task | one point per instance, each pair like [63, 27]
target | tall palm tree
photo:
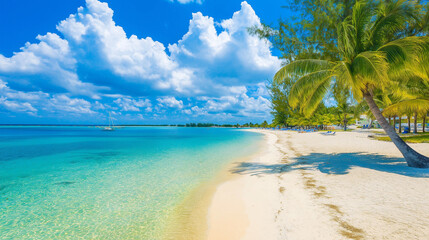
[373, 54]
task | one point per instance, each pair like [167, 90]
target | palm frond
[305, 86]
[392, 17]
[407, 54]
[313, 99]
[363, 11]
[420, 106]
[300, 68]
[345, 76]
[423, 58]
[346, 39]
[371, 68]
[413, 87]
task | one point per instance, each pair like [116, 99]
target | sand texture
[313, 186]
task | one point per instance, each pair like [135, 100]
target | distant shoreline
[89, 125]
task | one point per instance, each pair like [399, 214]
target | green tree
[372, 52]
[264, 124]
[311, 34]
[281, 110]
[344, 108]
[414, 102]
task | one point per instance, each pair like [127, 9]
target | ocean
[84, 183]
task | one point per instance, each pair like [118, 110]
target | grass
[409, 138]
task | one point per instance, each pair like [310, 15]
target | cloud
[101, 46]
[3, 84]
[231, 57]
[187, 1]
[170, 102]
[238, 104]
[32, 102]
[73, 105]
[17, 101]
[133, 105]
[20, 95]
[16, 106]
[46, 65]
[91, 66]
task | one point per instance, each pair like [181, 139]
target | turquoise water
[84, 183]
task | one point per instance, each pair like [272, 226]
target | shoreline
[229, 215]
[189, 220]
[313, 186]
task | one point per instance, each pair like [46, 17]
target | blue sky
[147, 62]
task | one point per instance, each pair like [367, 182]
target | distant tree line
[264, 124]
[207, 125]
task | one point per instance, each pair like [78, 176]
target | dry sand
[313, 186]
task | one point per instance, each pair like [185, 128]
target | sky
[146, 62]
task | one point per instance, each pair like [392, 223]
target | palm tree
[382, 100]
[344, 108]
[424, 121]
[419, 106]
[373, 54]
[415, 100]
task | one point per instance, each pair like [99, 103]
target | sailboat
[111, 127]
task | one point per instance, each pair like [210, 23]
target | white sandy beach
[312, 186]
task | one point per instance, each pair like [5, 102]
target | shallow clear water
[81, 182]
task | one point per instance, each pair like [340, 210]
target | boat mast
[110, 120]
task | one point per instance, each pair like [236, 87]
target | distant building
[363, 120]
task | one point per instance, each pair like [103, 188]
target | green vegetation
[206, 125]
[287, 116]
[409, 138]
[368, 55]
[313, 34]
[246, 125]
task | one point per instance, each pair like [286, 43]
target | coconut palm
[344, 107]
[373, 54]
[414, 102]
[419, 106]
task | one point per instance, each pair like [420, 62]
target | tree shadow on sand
[334, 164]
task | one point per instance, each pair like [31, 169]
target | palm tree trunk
[424, 123]
[394, 123]
[345, 122]
[409, 123]
[413, 158]
[400, 124]
[415, 122]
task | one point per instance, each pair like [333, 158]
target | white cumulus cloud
[230, 57]
[133, 105]
[46, 64]
[171, 102]
[101, 45]
[92, 66]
